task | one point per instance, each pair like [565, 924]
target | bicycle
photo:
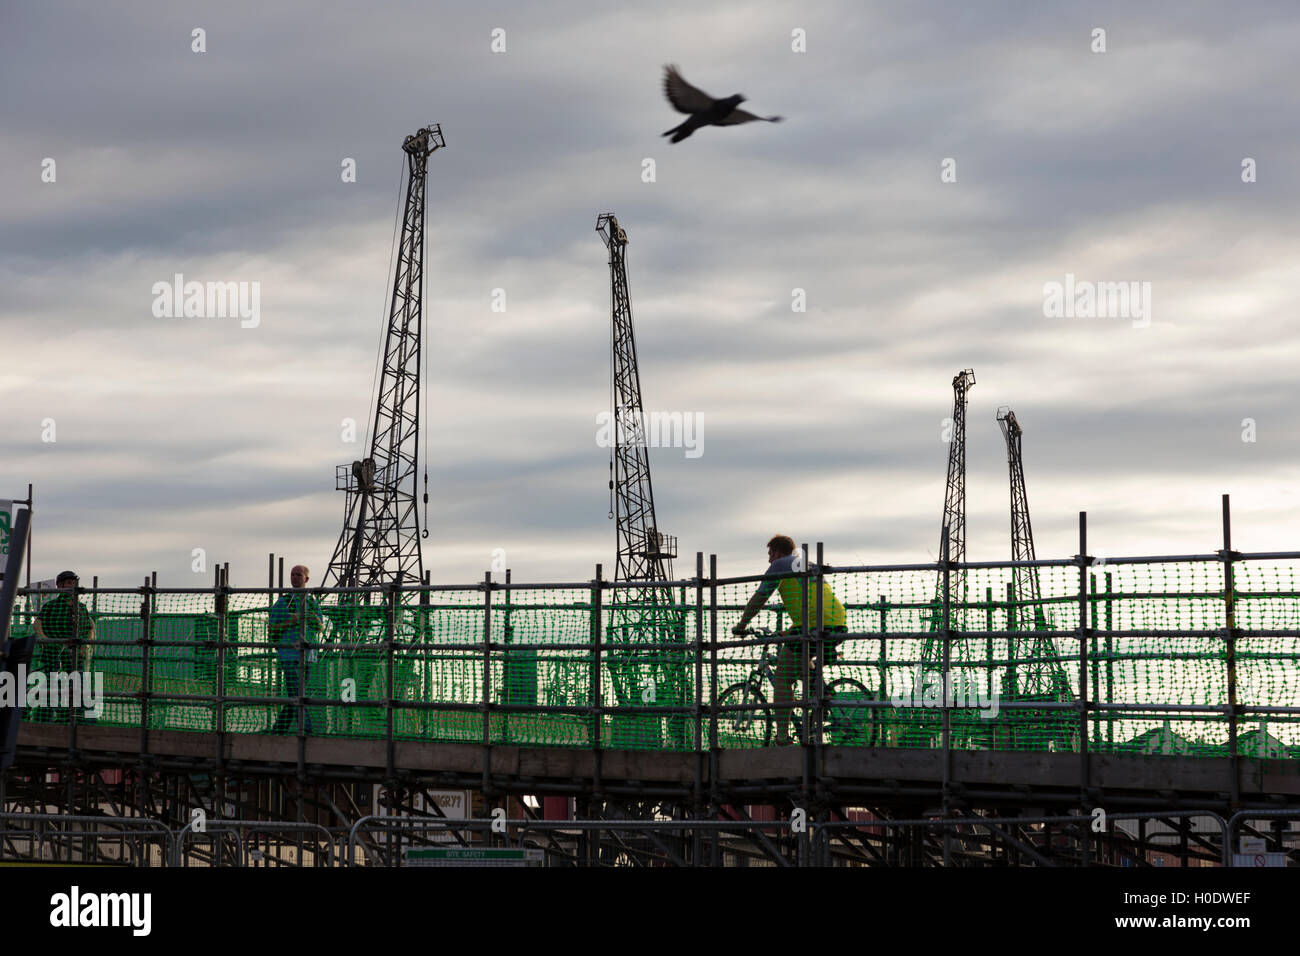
[758, 718]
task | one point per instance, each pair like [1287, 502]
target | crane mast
[1033, 667]
[952, 532]
[641, 616]
[380, 540]
[643, 553]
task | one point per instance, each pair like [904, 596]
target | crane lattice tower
[646, 614]
[380, 540]
[952, 533]
[1033, 667]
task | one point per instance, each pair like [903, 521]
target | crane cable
[383, 325]
[612, 396]
[422, 385]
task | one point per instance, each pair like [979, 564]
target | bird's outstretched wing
[684, 97]
[741, 116]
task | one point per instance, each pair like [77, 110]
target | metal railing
[601, 664]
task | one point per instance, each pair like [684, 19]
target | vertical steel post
[713, 665]
[1230, 621]
[945, 677]
[820, 847]
[300, 783]
[301, 644]
[597, 679]
[487, 684]
[390, 635]
[988, 648]
[697, 846]
[878, 717]
[805, 697]
[1084, 702]
[273, 681]
[31, 510]
[219, 605]
[818, 679]
[714, 805]
[75, 643]
[698, 737]
[884, 642]
[425, 657]
[805, 692]
[146, 677]
[945, 714]
[1013, 621]
[1110, 656]
[1094, 658]
[15, 653]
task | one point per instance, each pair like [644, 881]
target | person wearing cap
[64, 629]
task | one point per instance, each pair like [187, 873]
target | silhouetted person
[295, 617]
[783, 560]
[64, 630]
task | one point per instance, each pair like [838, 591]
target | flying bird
[704, 110]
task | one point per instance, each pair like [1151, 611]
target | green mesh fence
[620, 667]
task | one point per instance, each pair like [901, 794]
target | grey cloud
[226, 165]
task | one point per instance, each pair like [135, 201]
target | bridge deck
[847, 774]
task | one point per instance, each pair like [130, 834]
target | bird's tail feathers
[678, 132]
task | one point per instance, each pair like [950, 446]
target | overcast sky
[1126, 165]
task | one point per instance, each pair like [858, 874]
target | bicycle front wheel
[750, 727]
[851, 725]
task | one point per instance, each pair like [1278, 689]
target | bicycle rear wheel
[751, 727]
[849, 725]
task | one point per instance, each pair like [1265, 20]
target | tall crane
[919, 729]
[1033, 669]
[952, 533]
[643, 553]
[380, 540]
[646, 614]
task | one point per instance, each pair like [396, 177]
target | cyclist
[783, 559]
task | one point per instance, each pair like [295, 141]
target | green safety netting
[1012, 679]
